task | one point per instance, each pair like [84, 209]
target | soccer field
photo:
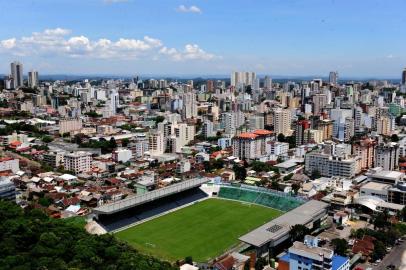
[203, 230]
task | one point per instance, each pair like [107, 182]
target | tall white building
[17, 74]
[180, 135]
[241, 78]
[208, 129]
[189, 109]
[282, 121]
[387, 156]
[33, 78]
[231, 121]
[256, 122]
[333, 78]
[69, 125]
[328, 165]
[156, 143]
[114, 100]
[78, 162]
[268, 83]
[251, 145]
[122, 155]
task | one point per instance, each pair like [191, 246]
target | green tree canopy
[31, 240]
[340, 246]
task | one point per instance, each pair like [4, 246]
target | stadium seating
[269, 199]
[150, 209]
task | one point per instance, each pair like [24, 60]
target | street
[397, 257]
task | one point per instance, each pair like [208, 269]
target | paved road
[397, 257]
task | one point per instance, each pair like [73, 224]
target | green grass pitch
[203, 230]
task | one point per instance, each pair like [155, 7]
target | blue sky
[277, 37]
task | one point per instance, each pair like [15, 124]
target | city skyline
[197, 38]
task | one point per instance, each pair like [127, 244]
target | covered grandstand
[123, 213]
[311, 214]
[262, 196]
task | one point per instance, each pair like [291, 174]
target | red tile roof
[247, 135]
[262, 132]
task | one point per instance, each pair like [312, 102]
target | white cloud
[190, 52]
[57, 32]
[8, 43]
[60, 42]
[191, 9]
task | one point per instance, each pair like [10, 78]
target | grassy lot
[203, 230]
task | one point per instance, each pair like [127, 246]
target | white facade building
[78, 162]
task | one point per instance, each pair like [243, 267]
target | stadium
[205, 220]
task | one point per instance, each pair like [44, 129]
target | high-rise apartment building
[365, 148]
[256, 122]
[329, 165]
[267, 83]
[33, 78]
[404, 77]
[241, 78]
[77, 162]
[17, 74]
[207, 129]
[231, 121]
[156, 143]
[319, 102]
[387, 156]
[114, 100]
[69, 125]
[282, 121]
[333, 78]
[189, 108]
[251, 145]
[210, 86]
[301, 127]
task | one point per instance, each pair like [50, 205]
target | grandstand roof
[280, 226]
[130, 202]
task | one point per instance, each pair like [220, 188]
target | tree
[93, 114]
[340, 246]
[159, 119]
[125, 142]
[380, 220]
[275, 185]
[189, 260]
[112, 143]
[403, 214]
[260, 263]
[32, 240]
[297, 232]
[281, 137]
[394, 138]
[47, 139]
[379, 250]
[240, 172]
[295, 187]
[288, 177]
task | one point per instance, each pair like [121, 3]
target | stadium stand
[149, 209]
[260, 196]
